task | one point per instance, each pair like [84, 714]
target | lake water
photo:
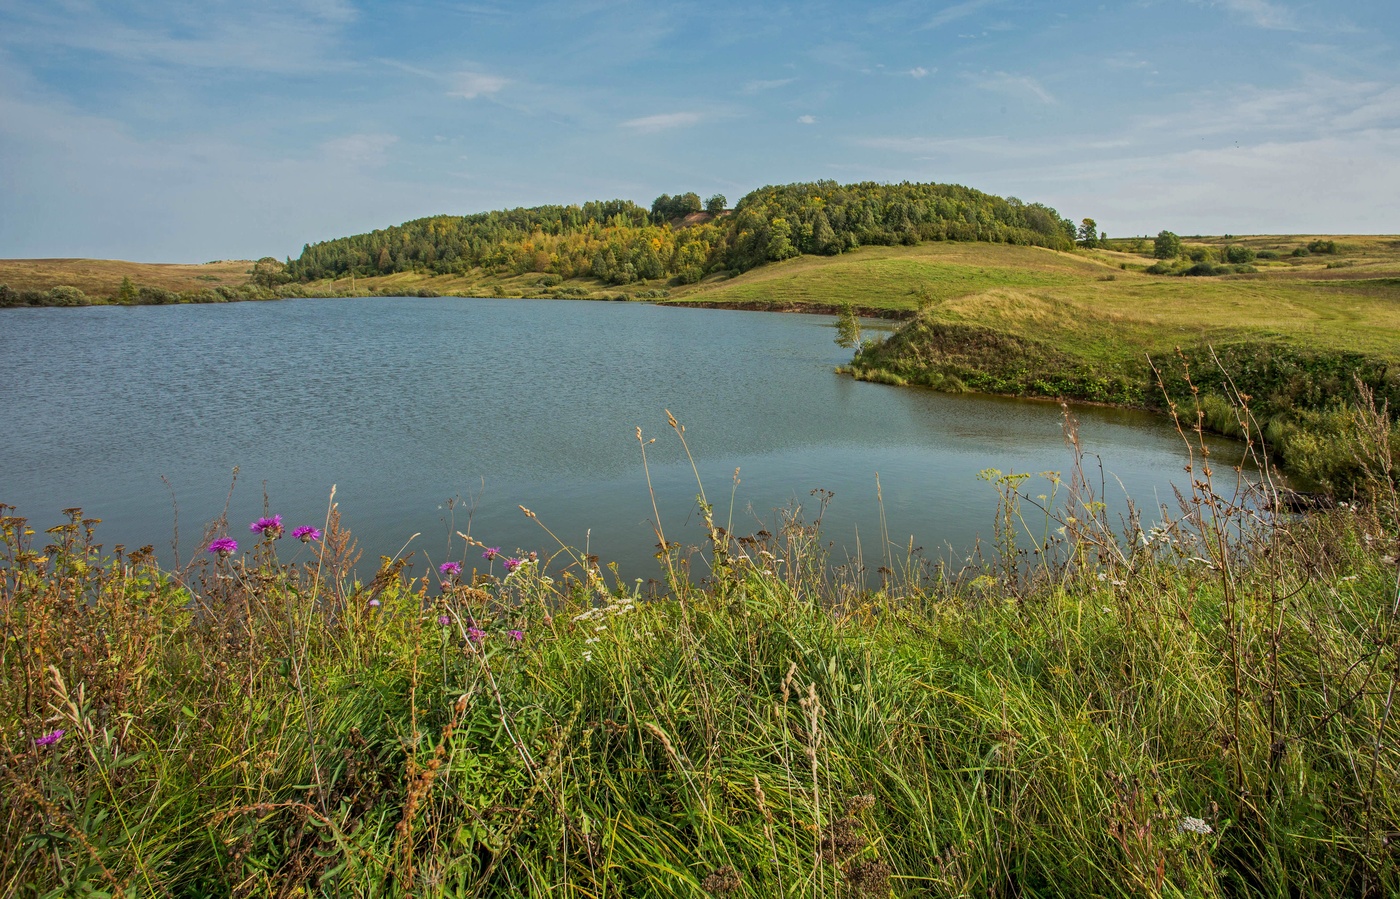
[439, 415]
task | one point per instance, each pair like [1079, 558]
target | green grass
[1047, 723]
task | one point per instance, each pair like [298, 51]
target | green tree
[1089, 233]
[126, 294]
[661, 208]
[269, 272]
[1166, 246]
[716, 204]
[824, 236]
[847, 327]
[780, 241]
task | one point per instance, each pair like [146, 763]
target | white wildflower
[1189, 824]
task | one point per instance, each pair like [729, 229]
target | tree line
[618, 241]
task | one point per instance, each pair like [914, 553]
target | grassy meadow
[1198, 708]
[103, 277]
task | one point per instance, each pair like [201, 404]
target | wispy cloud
[1126, 60]
[663, 121]
[259, 35]
[1014, 85]
[1262, 13]
[754, 87]
[956, 11]
[470, 85]
[917, 72]
[359, 150]
[807, 119]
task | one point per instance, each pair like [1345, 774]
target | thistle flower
[374, 603]
[517, 636]
[444, 619]
[306, 533]
[452, 568]
[476, 634]
[513, 563]
[491, 553]
[49, 739]
[268, 527]
[223, 547]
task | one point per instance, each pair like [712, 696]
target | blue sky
[185, 132]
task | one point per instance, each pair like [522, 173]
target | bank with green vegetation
[1203, 707]
[1002, 296]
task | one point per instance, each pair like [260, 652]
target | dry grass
[103, 277]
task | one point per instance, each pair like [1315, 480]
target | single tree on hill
[1089, 233]
[716, 204]
[1166, 246]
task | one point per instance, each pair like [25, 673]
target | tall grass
[1198, 708]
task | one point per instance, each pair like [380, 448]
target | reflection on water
[437, 415]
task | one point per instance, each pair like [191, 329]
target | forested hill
[619, 241]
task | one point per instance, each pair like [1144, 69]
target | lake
[432, 416]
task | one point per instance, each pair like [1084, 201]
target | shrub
[156, 296]
[63, 295]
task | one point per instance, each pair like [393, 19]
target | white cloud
[917, 72]
[258, 35]
[470, 85]
[754, 87]
[807, 119]
[957, 11]
[1126, 60]
[1211, 165]
[1015, 85]
[1262, 13]
[359, 150]
[663, 121]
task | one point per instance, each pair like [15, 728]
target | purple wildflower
[517, 636]
[223, 547]
[444, 619]
[452, 568]
[476, 634]
[374, 603]
[268, 527]
[491, 553]
[306, 533]
[513, 563]
[49, 739]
